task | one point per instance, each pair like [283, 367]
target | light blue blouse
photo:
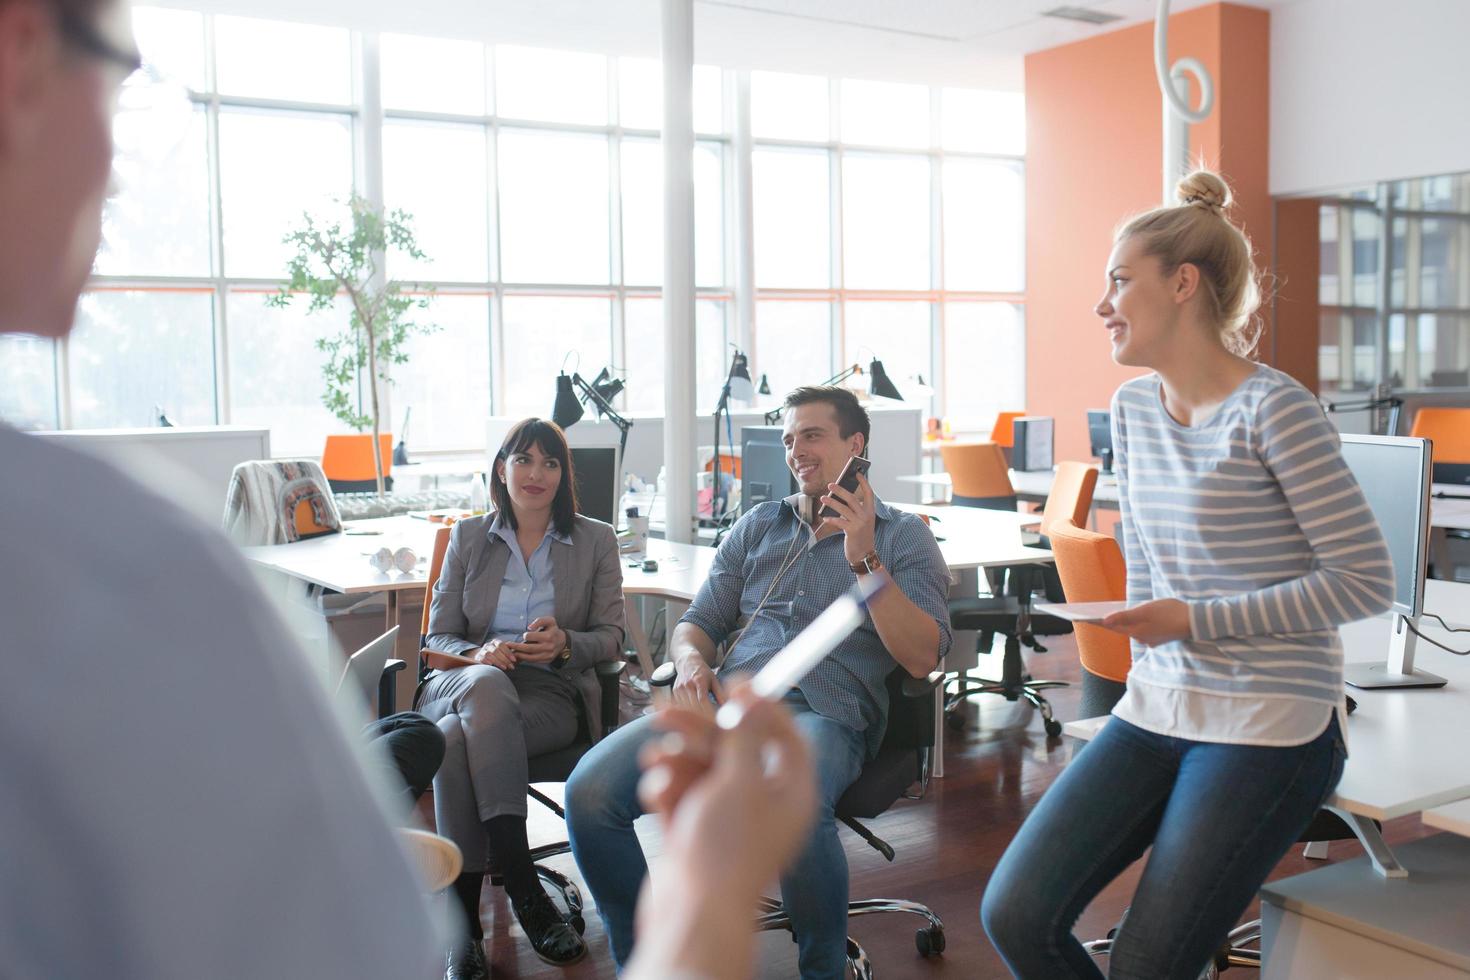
[527, 591]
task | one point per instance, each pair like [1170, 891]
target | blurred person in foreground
[736, 806]
[176, 797]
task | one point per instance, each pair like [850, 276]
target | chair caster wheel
[1052, 726]
[578, 923]
[955, 721]
[930, 942]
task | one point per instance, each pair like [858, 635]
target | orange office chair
[1009, 614]
[1449, 430]
[978, 475]
[1092, 569]
[436, 565]
[278, 501]
[729, 463]
[1003, 432]
[1070, 500]
[549, 767]
[348, 462]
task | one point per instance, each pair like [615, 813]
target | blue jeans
[602, 803]
[1219, 818]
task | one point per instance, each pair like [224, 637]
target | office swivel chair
[279, 501]
[903, 760]
[978, 476]
[348, 462]
[549, 767]
[1091, 568]
[1449, 430]
[1009, 613]
[1003, 432]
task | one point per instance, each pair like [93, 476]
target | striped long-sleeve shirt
[1255, 522]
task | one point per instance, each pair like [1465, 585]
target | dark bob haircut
[851, 416]
[548, 437]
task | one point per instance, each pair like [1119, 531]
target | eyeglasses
[87, 37]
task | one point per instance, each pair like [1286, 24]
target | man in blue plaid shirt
[779, 568]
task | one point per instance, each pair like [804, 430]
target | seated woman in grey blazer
[533, 592]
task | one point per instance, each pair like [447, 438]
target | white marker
[787, 668]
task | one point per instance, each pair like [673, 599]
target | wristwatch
[867, 564]
[563, 658]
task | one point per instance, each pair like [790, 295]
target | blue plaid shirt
[849, 686]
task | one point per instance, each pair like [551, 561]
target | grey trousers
[492, 721]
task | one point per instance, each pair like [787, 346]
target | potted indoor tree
[333, 259]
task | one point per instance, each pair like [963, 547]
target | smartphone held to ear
[856, 466]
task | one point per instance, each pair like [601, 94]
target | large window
[534, 180]
[889, 225]
[1411, 329]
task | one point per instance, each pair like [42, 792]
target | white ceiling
[961, 42]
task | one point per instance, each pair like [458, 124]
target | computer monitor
[1100, 434]
[1394, 472]
[764, 474]
[596, 469]
[1452, 473]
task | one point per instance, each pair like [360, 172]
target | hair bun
[1204, 189]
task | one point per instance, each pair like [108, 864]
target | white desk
[1344, 921]
[1406, 755]
[1406, 748]
[1454, 817]
[1450, 511]
[1030, 485]
[340, 562]
[682, 569]
[972, 538]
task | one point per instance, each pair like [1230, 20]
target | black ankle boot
[466, 961]
[553, 939]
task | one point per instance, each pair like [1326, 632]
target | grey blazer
[588, 581]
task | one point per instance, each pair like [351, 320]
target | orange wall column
[1293, 345]
[1093, 158]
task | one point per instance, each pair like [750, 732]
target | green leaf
[338, 268]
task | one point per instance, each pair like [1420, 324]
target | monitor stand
[1399, 670]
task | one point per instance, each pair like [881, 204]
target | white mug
[638, 527]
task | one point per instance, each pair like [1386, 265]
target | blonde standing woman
[1248, 544]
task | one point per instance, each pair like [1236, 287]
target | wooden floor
[946, 846]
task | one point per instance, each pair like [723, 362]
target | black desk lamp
[400, 451]
[879, 386]
[567, 410]
[1381, 399]
[738, 384]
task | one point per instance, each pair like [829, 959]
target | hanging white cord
[1167, 76]
[1177, 114]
